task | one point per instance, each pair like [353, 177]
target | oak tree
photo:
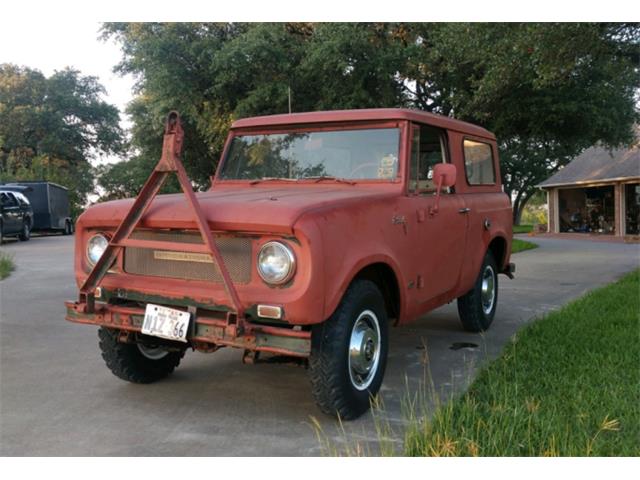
[50, 128]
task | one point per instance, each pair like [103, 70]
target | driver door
[442, 235]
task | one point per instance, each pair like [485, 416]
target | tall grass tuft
[6, 265]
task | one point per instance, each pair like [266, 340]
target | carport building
[598, 192]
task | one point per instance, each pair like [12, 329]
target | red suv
[319, 232]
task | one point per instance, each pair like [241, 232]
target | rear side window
[478, 163]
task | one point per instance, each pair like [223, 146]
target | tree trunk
[517, 216]
[521, 201]
[517, 208]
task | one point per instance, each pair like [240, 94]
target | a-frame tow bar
[170, 162]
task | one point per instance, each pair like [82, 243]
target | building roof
[365, 114]
[596, 165]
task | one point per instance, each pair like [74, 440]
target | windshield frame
[401, 125]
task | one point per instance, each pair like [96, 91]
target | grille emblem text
[182, 256]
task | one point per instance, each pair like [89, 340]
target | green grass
[568, 384]
[522, 228]
[518, 245]
[6, 265]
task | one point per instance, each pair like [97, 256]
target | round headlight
[276, 263]
[96, 247]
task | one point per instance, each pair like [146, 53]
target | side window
[478, 163]
[8, 200]
[22, 200]
[428, 149]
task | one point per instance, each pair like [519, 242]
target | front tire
[349, 352]
[136, 363]
[25, 233]
[477, 307]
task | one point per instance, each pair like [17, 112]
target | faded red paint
[335, 230]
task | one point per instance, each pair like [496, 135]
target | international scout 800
[320, 231]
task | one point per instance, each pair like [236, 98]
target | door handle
[464, 210]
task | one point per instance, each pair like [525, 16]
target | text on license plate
[166, 322]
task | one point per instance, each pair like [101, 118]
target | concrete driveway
[58, 398]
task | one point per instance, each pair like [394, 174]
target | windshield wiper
[320, 178]
[270, 179]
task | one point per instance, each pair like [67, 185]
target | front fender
[355, 236]
[336, 291]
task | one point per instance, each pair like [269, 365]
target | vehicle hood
[248, 208]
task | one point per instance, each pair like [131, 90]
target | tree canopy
[51, 127]
[547, 91]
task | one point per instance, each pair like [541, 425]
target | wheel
[477, 307]
[1, 233]
[134, 362]
[349, 352]
[25, 233]
[67, 229]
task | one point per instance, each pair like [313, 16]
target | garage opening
[632, 208]
[587, 210]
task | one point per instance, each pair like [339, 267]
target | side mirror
[444, 175]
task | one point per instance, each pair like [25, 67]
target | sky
[69, 43]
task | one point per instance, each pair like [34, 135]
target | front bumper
[205, 329]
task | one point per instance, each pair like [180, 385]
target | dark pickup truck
[50, 203]
[16, 215]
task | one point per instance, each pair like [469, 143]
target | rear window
[478, 163]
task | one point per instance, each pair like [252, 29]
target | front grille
[235, 252]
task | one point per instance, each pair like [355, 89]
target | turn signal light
[269, 311]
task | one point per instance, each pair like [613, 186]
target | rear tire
[477, 307]
[349, 352]
[135, 364]
[25, 233]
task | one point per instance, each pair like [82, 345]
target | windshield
[343, 154]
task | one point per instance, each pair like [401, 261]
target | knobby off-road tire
[477, 307]
[126, 361]
[353, 338]
[25, 233]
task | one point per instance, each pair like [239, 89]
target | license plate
[166, 323]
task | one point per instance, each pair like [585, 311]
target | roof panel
[372, 114]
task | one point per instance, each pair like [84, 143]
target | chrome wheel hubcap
[364, 350]
[152, 353]
[488, 289]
